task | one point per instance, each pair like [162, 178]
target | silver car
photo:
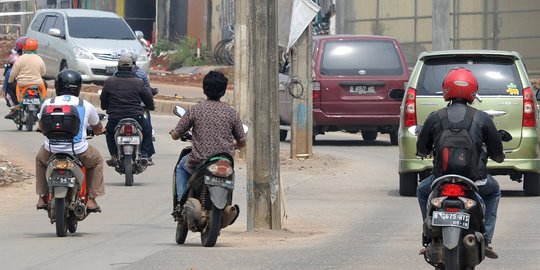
[89, 41]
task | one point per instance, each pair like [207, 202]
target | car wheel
[531, 184]
[393, 137]
[282, 135]
[369, 135]
[407, 184]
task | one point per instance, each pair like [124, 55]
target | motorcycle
[27, 115]
[206, 206]
[454, 229]
[66, 179]
[128, 137]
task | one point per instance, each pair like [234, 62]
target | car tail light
[127, 130]
[452, 209]
[410, 107]
[222, 168]
[316, 91]
[453, 190]
[528, 108]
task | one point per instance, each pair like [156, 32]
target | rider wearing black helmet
[68, 86]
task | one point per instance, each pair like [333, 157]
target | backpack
[456, 151]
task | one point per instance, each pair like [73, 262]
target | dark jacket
[122, 95]
[483, 131]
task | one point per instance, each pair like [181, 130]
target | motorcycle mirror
[415, 130]
[102, 116]
[505, 135]
[99, 92]
[245, 128]
[179, 111]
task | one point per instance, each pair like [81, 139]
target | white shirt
[90, 118]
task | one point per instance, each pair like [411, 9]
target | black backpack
[456, 152]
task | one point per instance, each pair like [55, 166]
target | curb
[162, 106]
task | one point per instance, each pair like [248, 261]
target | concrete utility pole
[302, 115]
[340, 16]
[441, 25]
[263, 197]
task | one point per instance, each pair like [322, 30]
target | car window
[360, 57]
[495, 75]
[48, 24]
[37, 22]
[102, 28]
[59, 24]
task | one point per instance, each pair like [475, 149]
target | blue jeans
[490, 192]
[183, 173]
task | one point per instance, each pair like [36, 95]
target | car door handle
[495, 113]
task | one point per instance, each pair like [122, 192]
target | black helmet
[68, 82]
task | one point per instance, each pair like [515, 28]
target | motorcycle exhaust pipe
[79, 211]
[143, 162]
[472, 256]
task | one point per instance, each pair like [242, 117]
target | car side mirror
[505, 135]
[538, 95]
[397, 94]
[139, 34]
[55, 32]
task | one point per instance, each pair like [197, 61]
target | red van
[358, 86]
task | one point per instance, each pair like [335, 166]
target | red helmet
[30, 44]
[460, 83]
[19, 43]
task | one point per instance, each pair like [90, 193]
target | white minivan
[88, 41]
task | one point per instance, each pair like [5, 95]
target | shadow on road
[513, 193]
[348, 143]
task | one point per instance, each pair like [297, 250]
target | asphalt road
[343, 212]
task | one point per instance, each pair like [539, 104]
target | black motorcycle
[128, 137]
[31, 104]
[206, 206]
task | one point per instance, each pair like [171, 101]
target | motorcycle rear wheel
[128, 170]
[61, 217]
[72, 224]
[30, 121]
[181, 232]
[213, 225]
[453, 259]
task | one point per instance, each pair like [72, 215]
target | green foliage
[186, 54]
[163, 45]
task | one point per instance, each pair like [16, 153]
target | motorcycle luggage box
[60, 121]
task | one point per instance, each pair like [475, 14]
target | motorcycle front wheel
[181, 232]
[128, 170]
[61, 217]
[30, 121]
[213, 225]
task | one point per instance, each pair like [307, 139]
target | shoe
[150, 162]
[41, 204]
[422, 251]
[490, 253]
[113, 161]
[92, 206]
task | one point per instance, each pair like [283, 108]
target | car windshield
[495, 75]
[360, 57]
[99, 27]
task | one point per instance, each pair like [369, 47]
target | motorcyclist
[121, 97]
[460, 87]
[68, 86]
[10, 88]
[28, 70]
[215, 124]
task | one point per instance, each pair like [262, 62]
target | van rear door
[356, 75]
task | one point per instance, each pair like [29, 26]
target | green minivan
[505, 93]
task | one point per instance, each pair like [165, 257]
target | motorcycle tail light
[222, 168]
[453, 190]
[452, 209]
[31, 92]
[62, 164]
[128, 130]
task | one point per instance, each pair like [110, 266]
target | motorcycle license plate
[451, 219]
[220, 182]
[31, 101]
[60, 181]
[128, 140]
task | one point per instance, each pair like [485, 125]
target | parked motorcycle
[66, 179]
[206, 206]
[27, 115]
[128, 136]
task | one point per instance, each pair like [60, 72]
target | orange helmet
[460, 83]
[30, 44]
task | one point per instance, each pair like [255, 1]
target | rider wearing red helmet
[29, 70]
[459, 88]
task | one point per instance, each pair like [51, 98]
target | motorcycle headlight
[82, 53]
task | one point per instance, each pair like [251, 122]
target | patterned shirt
[215, 127]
